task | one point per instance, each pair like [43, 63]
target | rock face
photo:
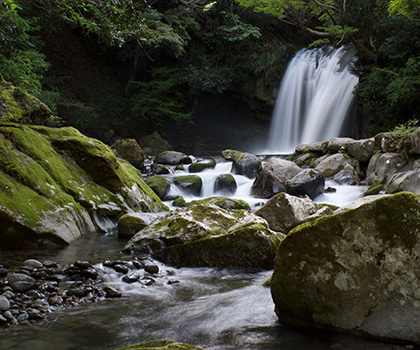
[273, 178]
[356, 271]
[206, 235]
[243, 163]
[56, 185]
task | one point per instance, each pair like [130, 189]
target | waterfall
[314, 99]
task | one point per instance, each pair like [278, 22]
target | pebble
[36, 289]
[4, 303]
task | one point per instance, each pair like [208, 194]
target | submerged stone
[161, 345]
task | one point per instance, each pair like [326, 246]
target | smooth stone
[33, 263]
[4, 303]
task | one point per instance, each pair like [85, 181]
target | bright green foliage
[160, 100]
[20, 62]
[408, 8]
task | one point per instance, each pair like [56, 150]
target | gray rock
[284, 212]
[3, 319]
[33, 263]
[191, 184]
[20, 282]
[333, 164]
[35, 314]
[4, 303]
[206, 235]
[111, 292]
[108, 209]
[338, 143]
[308, 182]
[382, 167]
[362, 150]
[22, 317]
[273, 178]
[130, 224]
[173, 158]
[243, 163]
[130, 151]
[356, 271]
[317, 147]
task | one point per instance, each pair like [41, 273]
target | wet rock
[131, 277]
[3, 272]
[22, 317]
[151, 268]
[191, 184]
[20, 282]
[201, 165]
[33, 263]
[90, 272]
[55, 300]
[82, 264]
[159, 185]
[308, 182]
[362, 150]
[162, 345]
[121, 268]
[2, 319]
[338, 143]
[111, 292]
[35, 314]
[4, 303]
[225, 184]
[243, 163]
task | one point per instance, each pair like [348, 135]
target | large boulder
[191, 184]
[274, 176]
[338, 167]
[382, 167]
[284, 212]
[56, 184]
[362, 150]
[338, 143]
[243, 163]
[320, 147]
[356, 271]
[130, 150]
[221, 202]
[202, 165]
[206, 235]
[308, 182]
[225, 183]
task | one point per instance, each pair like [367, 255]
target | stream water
[207, 307]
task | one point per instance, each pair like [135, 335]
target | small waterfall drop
[314, 99]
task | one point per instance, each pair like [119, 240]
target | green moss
[202, 165]
[161, 345]
[159, 185]
[221, 202]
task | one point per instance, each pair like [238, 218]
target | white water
[314, 99]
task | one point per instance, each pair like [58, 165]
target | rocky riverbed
[36, 289]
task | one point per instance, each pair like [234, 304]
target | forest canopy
[103, 65]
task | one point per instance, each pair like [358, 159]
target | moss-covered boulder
[159, 185]
[357, 271]
[201, 165]
[20, 107]
[221, 202]
[191, 184]
[206, 235]
[129, 150]
[243, 163]
[308, 182]
[154, 144]
[161, 345]
[53, 182]
[225, 183]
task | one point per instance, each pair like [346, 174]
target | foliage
[20, 62]
[408, 8]
[161, 100]
[402, 136]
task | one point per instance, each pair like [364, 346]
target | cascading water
[314, 99]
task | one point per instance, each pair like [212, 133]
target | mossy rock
[159, 185]
[221, 202]
[206, 235]
[201, 165]
[225, 183]
[154, 144]
[130, 150]
[45, 194]
[191, 184]
[18, 106]
[161, 345]
[243, 163]
[356, 271]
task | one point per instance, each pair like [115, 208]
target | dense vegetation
[198, 71]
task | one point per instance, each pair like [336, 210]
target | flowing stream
[315, 97]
